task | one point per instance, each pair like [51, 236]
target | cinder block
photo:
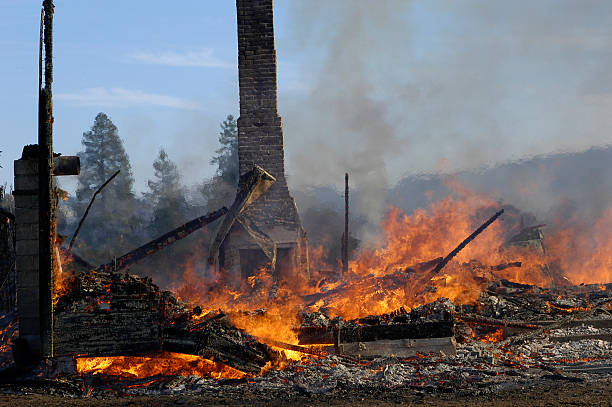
[26, 182]
[26, 201]
[26, 167]
[27, 262]
[26, 231]
[33, 341]
[27, 247]
[27, 279]
[29, 307]
[26, 215]
[29, 326]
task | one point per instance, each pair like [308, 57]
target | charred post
[345, 237]
[76, 232]
[45, 187]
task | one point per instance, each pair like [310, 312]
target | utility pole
[345, 237]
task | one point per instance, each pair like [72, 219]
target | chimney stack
[260, 142]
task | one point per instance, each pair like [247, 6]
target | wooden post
[46, 208]
[345, 237]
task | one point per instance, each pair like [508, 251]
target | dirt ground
[557, 394]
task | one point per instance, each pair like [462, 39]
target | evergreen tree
[227, 156]
[167, 196]
[103, 156]
[221, 189]
[110, 225]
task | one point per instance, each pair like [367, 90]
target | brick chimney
[260, 142]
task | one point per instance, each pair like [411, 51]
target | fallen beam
[402, 348]
[161, 242]
[220, 341]
[93, 197]
[366, 333]
[465, 242]
[570, 338]
[471, 319]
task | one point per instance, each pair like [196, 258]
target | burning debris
[436, 308]
[111, 314]
[488, 354]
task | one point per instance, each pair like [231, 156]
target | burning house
[448, 304]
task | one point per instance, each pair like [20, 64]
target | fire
[496, 336]
[165, 363]
[62, 274]
[398, 273]
[568, 310]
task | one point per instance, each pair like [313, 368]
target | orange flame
[496, 336]
[165, 363]
[386, 278]
[62, 275]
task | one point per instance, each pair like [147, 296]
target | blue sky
[381, 89]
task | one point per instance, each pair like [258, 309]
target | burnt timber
[111, 314]
[365, 333]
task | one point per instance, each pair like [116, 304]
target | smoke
[346, 126]
[396, 88]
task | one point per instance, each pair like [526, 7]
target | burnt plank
[368, 333]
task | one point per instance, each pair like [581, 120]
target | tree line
[119, 220]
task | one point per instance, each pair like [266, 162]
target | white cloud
[203, 58]
[119, 97]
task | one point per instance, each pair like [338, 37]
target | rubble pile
[564, 334]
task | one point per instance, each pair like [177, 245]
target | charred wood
[369, 333]
[477, 320]
[295, 348]
[66, 165]
[504, 266]
[388, 282]
[108, 315]
[222, 342]
[161, 242]
[252, 185]
[100, 188]
[465, 242]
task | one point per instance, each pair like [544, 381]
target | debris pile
[563, 334]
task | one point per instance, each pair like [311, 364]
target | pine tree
[167, 196]
[221, 189]
[110, 225]
[227, 156]
[103, 156]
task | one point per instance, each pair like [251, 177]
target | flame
[63, 278]
[165, 363]
[398, 272]
[8, 332]
[568, 310]
[496, 336]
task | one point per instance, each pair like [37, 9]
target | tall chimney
[260, 134]
[260, 142]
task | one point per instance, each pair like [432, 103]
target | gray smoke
[405, 87]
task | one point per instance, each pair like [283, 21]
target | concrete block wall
[27, 248]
